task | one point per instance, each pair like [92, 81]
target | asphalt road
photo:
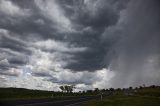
[49, 102]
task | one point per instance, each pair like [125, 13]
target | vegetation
[142, 96]
[67, 88]
[139, 96]
[21, 93]
[124, 100]
[15, 93]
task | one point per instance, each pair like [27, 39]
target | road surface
[49, 102]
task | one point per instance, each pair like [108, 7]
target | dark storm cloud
[137, 52]
[4, 67]
[72, 82]
[86, 78]
[41, 74]
[82, 35]
[13, 51]
[13, 44]
[91, 21]
[8, 69]
[92, 59]
[95, 14]
[13, 62]
[31, 24]
[17, 60]
[8, 73]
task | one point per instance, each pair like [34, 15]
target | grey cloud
[17, 60]
[86, 17]
[122, 35]
[135, 53]
[3, 81]
[94, 16]
[8, 73]
[8, 70]
[86, 82]
[86, 78]
[41, 74]
[94, 57]
[29, 26]
[13, 44]
[95, 13]
[91, 23]
[4, 65]
[14, 52]
[13, 62]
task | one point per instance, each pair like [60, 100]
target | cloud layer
[89, 43]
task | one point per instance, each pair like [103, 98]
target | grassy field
[144, 97]
[147, 96]
[124, 101]
[21, 93]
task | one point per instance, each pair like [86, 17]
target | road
[50, 102]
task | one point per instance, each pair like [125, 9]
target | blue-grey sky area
[89, 43]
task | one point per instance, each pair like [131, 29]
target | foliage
[67, 88]
[21, 93]
[17, 93]
[124, 100]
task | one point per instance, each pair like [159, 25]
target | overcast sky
[88, 43]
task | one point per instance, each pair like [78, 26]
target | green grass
[121, 100]
[149, 92]
[21, 93]
[16, 93]
[143, 97]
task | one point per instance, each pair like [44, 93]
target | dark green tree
[69, 89]
[96, 90]
[62, 88]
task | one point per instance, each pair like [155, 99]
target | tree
[62, 88]
[96, 90]
[66, 88]
[69, 89]
[136, 88]
[153, 86]
[140, 87]
[118, 89]
[89, 91]
[130, 88]
[103, 90]
[111, 89]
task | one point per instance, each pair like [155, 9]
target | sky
[87, 43]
